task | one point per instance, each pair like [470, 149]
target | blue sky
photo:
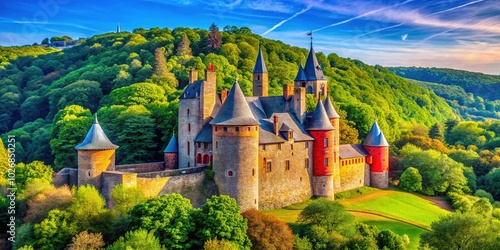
[441, 33]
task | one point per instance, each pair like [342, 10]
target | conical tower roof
[301, 76]
[235, 110]
[330, 110]
[319, 120]
[96, 139]
[375, 137]
[172, 146]
[312, 69]
[260, 65]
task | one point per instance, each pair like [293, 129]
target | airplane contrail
[363, 15]
[286, 20]
[458, 7]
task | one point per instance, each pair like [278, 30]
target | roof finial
[311, 35]
[95, 119]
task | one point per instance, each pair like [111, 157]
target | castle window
[248, 129]
[326, 162]
[225, 129]
[334, 156]
[199, 144]
[237, 129]
[188, 148]
[198, 159]
[326, 142]
[189, 164]
[291, 146]
[253, 172]
[268, 166]
[279, 146]
[290, 135]
[188, 111]
[300, 178]
[258, 78]
[206, 159]
[307, 144]
[264, 147]
[230, 173]
[205, 145]
[189, 127]
[215, 128]
[287, 165]
[307, 162]
[216, 144]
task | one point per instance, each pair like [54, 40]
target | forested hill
[473, 95]
[476, 83]
[133, 80]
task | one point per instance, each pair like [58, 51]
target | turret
[171, 154]
[334, 118]
[235, 150]
[96, 154]
[260, 76]
[323, 133]
[311, 76]
[376, 145]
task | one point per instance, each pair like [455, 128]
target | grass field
[401, 212]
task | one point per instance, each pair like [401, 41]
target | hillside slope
[132, 79]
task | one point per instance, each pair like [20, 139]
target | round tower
[334, 118]
[323, 133]
[96, 154]
[376, 145]
[171, 154]
[235, 139]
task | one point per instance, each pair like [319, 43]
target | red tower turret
[376, 145]
[323, 152]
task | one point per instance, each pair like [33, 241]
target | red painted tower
[323, 133]
[376, 145]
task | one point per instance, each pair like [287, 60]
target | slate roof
[319, 119]
[205, 134]
[375, 137]
[235, 110]
[312, 69]
[95, 139]
[287, 122]
[192, 90]
[260, 65]
[301, 75]
[348, 151]
[330, 110]
[172, 146]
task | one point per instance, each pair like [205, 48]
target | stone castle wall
[353, 175]
[281, 186]
[141, 167]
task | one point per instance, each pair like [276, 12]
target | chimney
[210, 73]
[223, 95]
[193, 75]
[288, 91]
[276, 124]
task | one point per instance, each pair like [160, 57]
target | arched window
[206, 159]
[303, 84]
[309, 90]
[230, 173]
[198, 159]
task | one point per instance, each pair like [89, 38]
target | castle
[266, 151]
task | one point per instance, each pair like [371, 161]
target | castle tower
[323, 133]
[376, 145]
[196, 105]
[312, 78]
[96, 154]
[235, 150]
[260, 76]
[334, 118]
[171, 154]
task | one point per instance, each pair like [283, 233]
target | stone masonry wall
[141, 167]
[352, 175]
[281, 187]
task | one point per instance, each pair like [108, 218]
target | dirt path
[438, 201]
[369, 196]
[378, 216]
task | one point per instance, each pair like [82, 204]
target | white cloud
[403, 37]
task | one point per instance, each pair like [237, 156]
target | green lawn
[401, 212]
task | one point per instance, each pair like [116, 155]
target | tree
[216, 244]
[492, 183]
[266, 232]
[169, 217]
[40, 205]
[483, 194]
[138, 239]
[86, 209]
[160, 66]
[359, 242]
[126, 198]
[387, 239]
[461, 231]
[302, 243]
[183, 48]
[45, 41]
[411, 180]
[4, 163]
[214, 38]
[329, 215]
[24, 236]
[31, 171]
[437, 131]
[54, 232]
[87, 241]
[220, 218]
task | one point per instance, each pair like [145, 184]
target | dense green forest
[472, 95]
[133, 79]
